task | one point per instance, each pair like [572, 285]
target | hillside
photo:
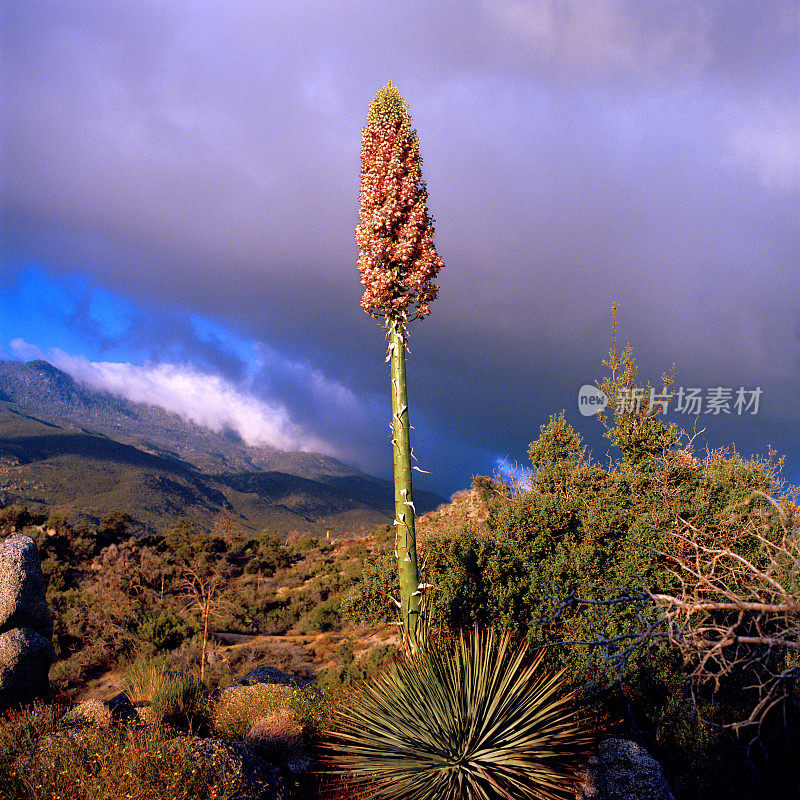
[66, 448]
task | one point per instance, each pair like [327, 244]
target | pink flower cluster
[398, 259]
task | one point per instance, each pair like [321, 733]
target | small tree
[205, 588]
[397, 264]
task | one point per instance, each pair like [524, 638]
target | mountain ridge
[68, 448]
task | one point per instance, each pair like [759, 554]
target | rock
[25, 658]
[26, 628]
[271, 675]
[94, 712]
[623, 770]
[121, 708]
[22, 598]
[147, 716]
[257, 779]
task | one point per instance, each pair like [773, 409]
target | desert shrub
[15, 516]
[181, 702]
[359, 551]
[333, 680]
[384, 536]
[278, 620]
[144, 679]
[570, 561]
[240, 706]
[41, 758]
[323, 617]
[307, 545]
[165, 629]
[173, 697]
[268, 554]
[368, 601]
[56, 574]
[284, 655]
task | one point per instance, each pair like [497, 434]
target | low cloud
[199, 397]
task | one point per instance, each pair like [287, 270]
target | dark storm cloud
[207, 155]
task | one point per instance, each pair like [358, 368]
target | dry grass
[239, 707]
[174, 698]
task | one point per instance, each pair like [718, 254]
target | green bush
[165, 629]
[323, 617]
[352, 670]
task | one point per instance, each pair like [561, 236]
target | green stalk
[405, 538]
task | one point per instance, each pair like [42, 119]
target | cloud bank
[203, 398]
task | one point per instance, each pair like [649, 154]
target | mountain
[67, 448]
[45, 391]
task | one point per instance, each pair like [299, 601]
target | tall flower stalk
[397, 263]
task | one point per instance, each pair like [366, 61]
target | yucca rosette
[476, 718]
[398, 260]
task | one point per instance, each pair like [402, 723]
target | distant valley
[70, 449]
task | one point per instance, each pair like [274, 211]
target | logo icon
[591, 400]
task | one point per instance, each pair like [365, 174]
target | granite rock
[623, 770]
[22, 595]
[25, 658]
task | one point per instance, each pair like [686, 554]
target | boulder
[623, 770]
[121, 708]
[257, 778]
[92, 712]
[22, 597]
[25, 658]
[271, 675]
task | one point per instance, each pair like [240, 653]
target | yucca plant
[397, 264]
[473, 719]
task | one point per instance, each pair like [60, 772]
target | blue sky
[179, 193]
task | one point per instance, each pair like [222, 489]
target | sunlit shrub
[240, 706]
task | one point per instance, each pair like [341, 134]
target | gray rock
[91, 712]
[22, 597]
[257, 779]
[271, 675]
[25, 658]
[121, 708]
[623, 770]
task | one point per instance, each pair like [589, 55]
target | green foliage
[471, 719]
[324, 616]
[354, 671]
[182, 542]
[175, 698]
[308, 544]
[267, 555]
[165, 629]
[14, 517]
[180, 702]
